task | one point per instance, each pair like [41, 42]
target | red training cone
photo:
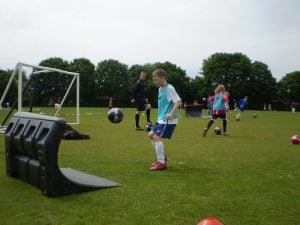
[210, 221]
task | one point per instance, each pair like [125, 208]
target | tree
[240, 77]
[232, 70]
[12, 93]
[263, 85]
[55, 62]
[112, 80]
[289, 89]
[86, 69]
[198, 89]
[51, 86]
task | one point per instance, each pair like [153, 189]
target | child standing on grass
[168, 103]
[219, 108]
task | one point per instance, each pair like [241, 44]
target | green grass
[251, 177]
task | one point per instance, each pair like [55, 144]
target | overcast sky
[183, 32]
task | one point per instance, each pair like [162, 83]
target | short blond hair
[159, 73]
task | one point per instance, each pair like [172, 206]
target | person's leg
[159, 149]
[137, 119]
[224, 125]
[158, 132]
[210, 123]
[140, 108]
[160, 163]
[205, 130]
[148, 115]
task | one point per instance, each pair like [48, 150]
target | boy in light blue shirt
[168, 103]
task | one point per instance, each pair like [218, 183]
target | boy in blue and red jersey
[219, 108]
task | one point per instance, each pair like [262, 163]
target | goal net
[47, 91]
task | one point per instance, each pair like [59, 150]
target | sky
[183, 32]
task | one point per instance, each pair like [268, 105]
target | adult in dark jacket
[139, 97]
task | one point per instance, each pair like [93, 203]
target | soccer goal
[37, 73]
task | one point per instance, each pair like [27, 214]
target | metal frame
[19, 69]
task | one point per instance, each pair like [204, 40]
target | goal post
[8, 85]
[42, 69]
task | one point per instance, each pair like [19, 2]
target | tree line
[113, 79]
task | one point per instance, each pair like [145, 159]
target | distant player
[110, 103]
[243, 105]
[219, 108]
[168, 103]
[139, 97]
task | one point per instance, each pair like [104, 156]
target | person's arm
[174, 97]
[174, 109]
[225, 99]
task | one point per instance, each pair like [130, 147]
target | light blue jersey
[167, 96]
[219, 103]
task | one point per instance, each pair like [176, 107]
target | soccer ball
[237, 118]
[115, 115]
[148, 127]
[218, 130]
[295, 139]
[254, 116]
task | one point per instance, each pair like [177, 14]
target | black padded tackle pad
[31, 149]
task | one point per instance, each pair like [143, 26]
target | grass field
[251, 177]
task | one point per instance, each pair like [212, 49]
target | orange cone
[210, 221]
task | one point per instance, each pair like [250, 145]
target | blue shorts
[163, 130]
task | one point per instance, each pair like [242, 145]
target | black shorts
[216, 116]
[140, 105]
